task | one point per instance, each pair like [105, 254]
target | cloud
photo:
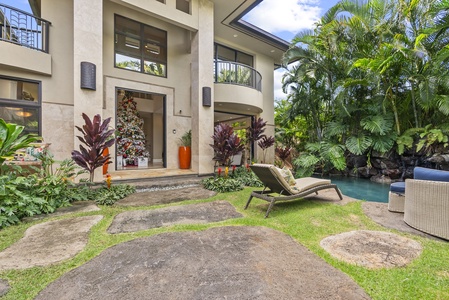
[293, 16]
[278, 93]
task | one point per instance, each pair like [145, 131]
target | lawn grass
[307, 222]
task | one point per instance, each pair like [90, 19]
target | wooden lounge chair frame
[274, 183]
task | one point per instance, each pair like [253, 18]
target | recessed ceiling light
[272, 51]
[236, 35]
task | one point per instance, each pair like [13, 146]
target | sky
[283, 18]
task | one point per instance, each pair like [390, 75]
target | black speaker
[207, 97]
[88, 76]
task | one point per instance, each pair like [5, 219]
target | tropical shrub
[96, 137]
[246, 177]
[11, 141]
[222, 184]
[226, 144]
[48, 188]
[264, 144]
[108, 196]
[373, 85]
[323, 156]
[283, 153]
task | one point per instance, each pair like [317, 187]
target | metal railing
[236, 73]
[22, 28]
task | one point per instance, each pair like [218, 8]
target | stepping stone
[201, 213]
[48, 243]
[4, 287]
[165, 196]
[76, 207]
[372, 249]
[232, 262]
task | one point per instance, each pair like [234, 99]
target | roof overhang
[35, 7]
[230, 26]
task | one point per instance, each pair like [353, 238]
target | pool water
[363, 189]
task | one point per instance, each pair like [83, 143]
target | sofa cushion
[430, 174]
[398, 187]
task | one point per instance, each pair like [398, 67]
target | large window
[223, 53]
[20, 103]
[140, 48]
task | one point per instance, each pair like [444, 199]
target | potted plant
[184, 152]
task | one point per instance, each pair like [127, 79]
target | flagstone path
[235, 262]
[239, 262]
[201, 213]
[48, 243]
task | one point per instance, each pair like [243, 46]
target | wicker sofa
[426, 206]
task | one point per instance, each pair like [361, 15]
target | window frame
[236, 52]
[18, 103]
[142, 40]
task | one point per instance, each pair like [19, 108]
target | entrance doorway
[140, 130]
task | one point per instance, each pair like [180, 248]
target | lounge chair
[272, 179]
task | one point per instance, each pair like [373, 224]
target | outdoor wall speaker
[207, 99]
[88, 76]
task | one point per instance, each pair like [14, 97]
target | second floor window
[139, 47]
[223, 53]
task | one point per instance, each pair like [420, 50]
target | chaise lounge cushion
[301, 184]
[398, 187]
[306, 183]
[430, 174]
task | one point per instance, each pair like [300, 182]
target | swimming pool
[361, 188]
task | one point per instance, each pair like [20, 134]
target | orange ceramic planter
[184, 155]
[105, 166]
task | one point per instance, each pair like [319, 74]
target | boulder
[381, 179]
[366, 172]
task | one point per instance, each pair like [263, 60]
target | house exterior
[187, 64]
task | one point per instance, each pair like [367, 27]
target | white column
[87, 46]
[202, 76]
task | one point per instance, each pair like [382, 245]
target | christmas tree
[130, 137]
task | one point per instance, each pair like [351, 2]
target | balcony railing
[22, 28]
[239, 74]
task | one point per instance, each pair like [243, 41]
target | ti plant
[226, 144]
[265, 143]
[256, 130]
[283, 154]
[96, 137]
[10, 141]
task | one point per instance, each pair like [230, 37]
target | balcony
[238, 88]
[234, 73]
[24, 29]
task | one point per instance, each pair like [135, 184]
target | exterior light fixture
[88, 76]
